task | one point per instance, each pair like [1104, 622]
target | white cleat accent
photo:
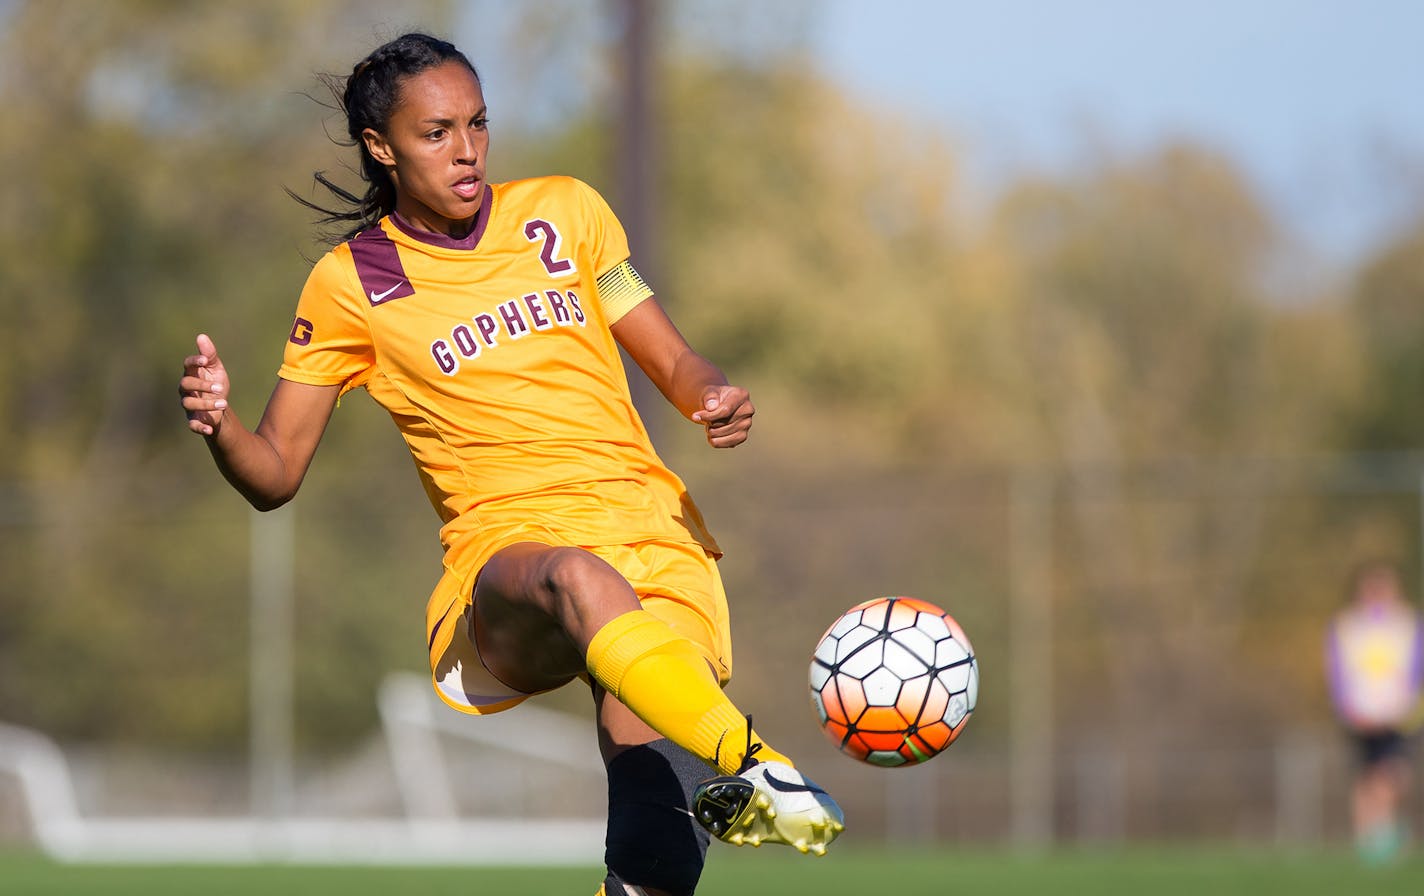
[771, 802]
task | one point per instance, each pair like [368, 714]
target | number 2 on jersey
[539, 229]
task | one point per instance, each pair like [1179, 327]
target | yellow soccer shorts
[677, 582]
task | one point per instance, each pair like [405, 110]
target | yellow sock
[665, 680]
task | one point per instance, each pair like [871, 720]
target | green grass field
[1165, 872]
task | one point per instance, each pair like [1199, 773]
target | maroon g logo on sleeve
[301, 332]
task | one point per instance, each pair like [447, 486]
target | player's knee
[653, 841]
[567, 575]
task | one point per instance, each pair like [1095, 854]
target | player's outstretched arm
[265, 465]
[694, 385]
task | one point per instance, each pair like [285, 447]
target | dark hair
[367, 98]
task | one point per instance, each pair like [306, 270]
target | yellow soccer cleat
[768, 802]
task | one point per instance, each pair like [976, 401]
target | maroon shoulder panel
[379, 266]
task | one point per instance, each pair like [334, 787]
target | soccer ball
[894, 681]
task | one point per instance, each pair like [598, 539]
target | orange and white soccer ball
[894, 681]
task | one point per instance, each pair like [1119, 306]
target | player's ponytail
[367, 97]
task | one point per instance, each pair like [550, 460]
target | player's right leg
[543, 614]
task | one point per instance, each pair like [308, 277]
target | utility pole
[271, 659]
[636, 163]
[1030, 678]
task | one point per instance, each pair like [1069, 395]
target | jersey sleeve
[620, 287]
[1334, 673]
[608, 243]
[330, 341]
[1416, 659]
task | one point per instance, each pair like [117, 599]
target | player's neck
[444, 232]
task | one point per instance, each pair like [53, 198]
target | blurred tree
[147, 144]
[812, 263]
[1386, 294]
[1160, 372]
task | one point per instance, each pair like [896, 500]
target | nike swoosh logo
[378, 297]
[789, 787]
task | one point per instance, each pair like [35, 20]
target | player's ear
[377, 146]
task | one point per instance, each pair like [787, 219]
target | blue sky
[1318, 100]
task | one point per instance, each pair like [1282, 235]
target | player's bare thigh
[537, 607]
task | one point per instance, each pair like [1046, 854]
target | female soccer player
[485, 317]
[1375, 659]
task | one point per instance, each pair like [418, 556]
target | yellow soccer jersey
[493, 356]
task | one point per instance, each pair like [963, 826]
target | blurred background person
[1375, 657]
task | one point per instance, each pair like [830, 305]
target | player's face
[434, 146]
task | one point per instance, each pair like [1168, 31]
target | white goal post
[431, 830]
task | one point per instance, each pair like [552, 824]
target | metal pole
[1030, 671]
[637, 156]
[270, 660]
[637, 165]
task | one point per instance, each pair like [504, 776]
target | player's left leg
[536, 607]
[541, 614]
[768, 802]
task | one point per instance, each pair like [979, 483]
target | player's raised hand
[204, 388]
[727, 414]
